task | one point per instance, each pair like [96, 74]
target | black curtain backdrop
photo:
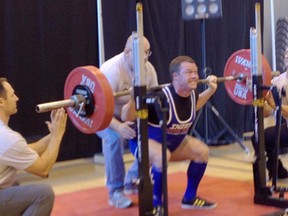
[42, 41]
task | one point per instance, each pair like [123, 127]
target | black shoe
[158, 211]
[197, 203]
[282, 172]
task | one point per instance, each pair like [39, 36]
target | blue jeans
[113, 149]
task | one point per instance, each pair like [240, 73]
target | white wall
[280, 10]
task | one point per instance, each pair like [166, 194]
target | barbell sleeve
[122, 93]
[219, 79]
[46, 107]
[75, 101]
[275, 73]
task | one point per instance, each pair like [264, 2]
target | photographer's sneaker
[131, 188]
[197, 203]
[119, 200]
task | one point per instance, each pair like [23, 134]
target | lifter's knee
[203, 154]
[158, 161]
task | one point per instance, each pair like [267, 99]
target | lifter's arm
[205, 95]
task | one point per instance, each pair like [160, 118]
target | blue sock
[157, 187]
[195, 173]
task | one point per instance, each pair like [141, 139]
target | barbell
[89, 99]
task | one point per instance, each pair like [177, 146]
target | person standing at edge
[280, 82]
[36, 158]
[119, 71]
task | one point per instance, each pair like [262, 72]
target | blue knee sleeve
[157, 186]
[195, 173]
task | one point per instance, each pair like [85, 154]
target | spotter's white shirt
[121, 78]
[14, 155]
[280, 82]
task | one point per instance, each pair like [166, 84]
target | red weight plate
[239, 63]
[102, 94]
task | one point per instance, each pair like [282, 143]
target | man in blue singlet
[183, 102]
